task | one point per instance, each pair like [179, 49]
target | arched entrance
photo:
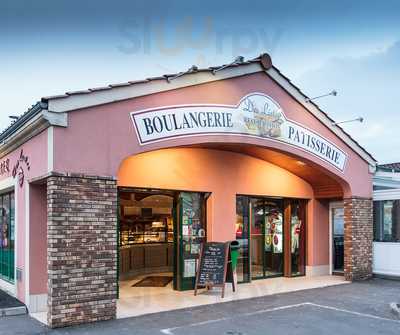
[280, 219]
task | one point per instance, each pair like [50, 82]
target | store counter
[146, 258]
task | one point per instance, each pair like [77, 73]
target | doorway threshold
[138, 301]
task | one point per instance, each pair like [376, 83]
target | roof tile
[96, 89]
[120, 85]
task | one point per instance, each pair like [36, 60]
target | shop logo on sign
[256, 115]
[265, 117]
[18, 169]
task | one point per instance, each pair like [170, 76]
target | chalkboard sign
[213, 264]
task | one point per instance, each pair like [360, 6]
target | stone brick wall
[82, 249]
[358, 238]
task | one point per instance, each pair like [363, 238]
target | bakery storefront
[114, 189]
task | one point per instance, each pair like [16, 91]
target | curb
[12, 311]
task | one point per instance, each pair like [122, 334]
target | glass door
[266, 237]
[257, 238]
[297, 238]
[337, 217]
[273, 238]
[242, 236]
[191, 233]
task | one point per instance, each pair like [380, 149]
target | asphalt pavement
[357, 308]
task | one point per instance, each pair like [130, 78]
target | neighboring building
[386, 249]
[129, 179]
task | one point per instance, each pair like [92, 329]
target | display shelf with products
[137, 230]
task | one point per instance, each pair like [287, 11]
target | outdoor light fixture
[238, 60]
[333, 93]
[13, 117]
[192, 69]
[359, 119]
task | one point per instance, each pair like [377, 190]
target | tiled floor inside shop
[136, 301]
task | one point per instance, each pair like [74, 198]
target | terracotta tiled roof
[131, 83]
[390, 166]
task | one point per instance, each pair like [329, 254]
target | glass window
[242, 236]
[387, 220]
[192, 235]
[273, 237]
[145, 218]
[7, 223]
[338, 239]
[272, 240]
[297, 237]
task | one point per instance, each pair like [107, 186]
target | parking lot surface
[358, 308]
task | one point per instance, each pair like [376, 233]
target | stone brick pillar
[81, 249]
[358, 237]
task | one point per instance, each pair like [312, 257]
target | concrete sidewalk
[10, 306]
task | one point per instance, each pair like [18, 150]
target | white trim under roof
[386, 182]
[76, 101]
[393, 194]
[387, 175]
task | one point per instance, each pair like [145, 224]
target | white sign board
[256, 115]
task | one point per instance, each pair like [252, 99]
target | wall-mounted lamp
[333, 93]
[238, 60]
[359, 119]
[13, 117]
[192, 69]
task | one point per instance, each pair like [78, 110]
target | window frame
[10, 278]
[379, 221]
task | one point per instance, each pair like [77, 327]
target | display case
[139, 231]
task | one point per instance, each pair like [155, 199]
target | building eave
[94, 97]
[22, 120]
[30, 128]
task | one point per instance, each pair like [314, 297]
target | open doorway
[160, 233]
[146, 237]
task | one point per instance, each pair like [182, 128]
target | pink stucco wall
[105, 134]
[318, 232]
[38, 239]
[36, 150]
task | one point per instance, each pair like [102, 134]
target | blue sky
[49, 47]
